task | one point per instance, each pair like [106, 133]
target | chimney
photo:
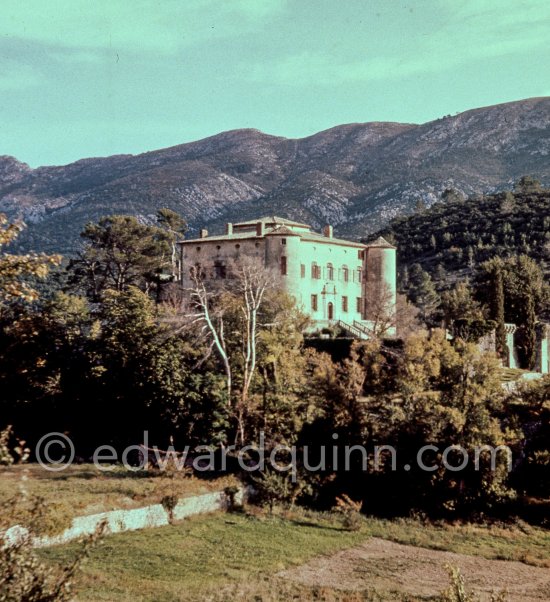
[327, 231]
[204, 233]
[229, 229]
[260, 229]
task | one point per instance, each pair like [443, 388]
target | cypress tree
[497, 311]
[527, 348]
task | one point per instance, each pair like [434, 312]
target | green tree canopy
[120, 251]
[515, 290]
[15, 269]
[421, 291]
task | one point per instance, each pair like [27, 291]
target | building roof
[275, 226]
[270, 220]
[306, 236]
[220, 237]
[381, 242]
[283, 230]
[316, 237]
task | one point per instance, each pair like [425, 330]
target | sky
[82, 78]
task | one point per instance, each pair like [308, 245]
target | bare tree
[407, 321]
[176, 227]
[224, 313]
[251, 281]
[388, 314]
[209, 317]
[380, 310]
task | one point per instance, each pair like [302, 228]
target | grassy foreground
[200, 555]
[83, 489]
[217, 557]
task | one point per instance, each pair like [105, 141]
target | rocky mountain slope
[356, 176]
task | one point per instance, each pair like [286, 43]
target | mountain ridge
[356, 176]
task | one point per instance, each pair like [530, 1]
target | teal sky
[89, 78]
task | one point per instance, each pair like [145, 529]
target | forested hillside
[455, 235]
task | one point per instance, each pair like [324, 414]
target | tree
[430, 392]
[252, 281]
[44, 364]
[527, 184]
[283, 387]
[403, 281]
[148, 377]
[206, 316]
[380, 310]
[463, 314]
[471, 257]
[528, 296]
[497, 311]
[440, 273]
[459, 303]
[464, 311]
[420, 206]
[227, 313]
[422, 292]
[451, 195]
[14, 269]
[120, 252]
[176, 226]
[508, 203]
[255, 333]
[406, 317]
[527, 334]
[522, 297]
[530, 406]
[452, 395]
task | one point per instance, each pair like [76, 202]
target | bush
[8, 456]
[457, 590]
[23, 576]
[350, 511]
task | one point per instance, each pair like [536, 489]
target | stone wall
[155, 515]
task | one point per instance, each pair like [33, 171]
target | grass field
[216, 557]
[83, 489]
[235, 557]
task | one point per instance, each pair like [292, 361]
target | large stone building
[336, 282]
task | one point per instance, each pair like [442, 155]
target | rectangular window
[359, 275]
[283, 265]
[283, 241]
[303, 270]
[359, 306]
[220, 270]
[314, 302]
[344, 304]
[360, 254]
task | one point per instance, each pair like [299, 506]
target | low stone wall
[155, 515]
[513, 385]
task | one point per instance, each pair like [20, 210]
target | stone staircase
[355, 330]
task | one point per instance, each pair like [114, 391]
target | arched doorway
[330, 309]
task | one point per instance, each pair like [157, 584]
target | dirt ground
[385, 566]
